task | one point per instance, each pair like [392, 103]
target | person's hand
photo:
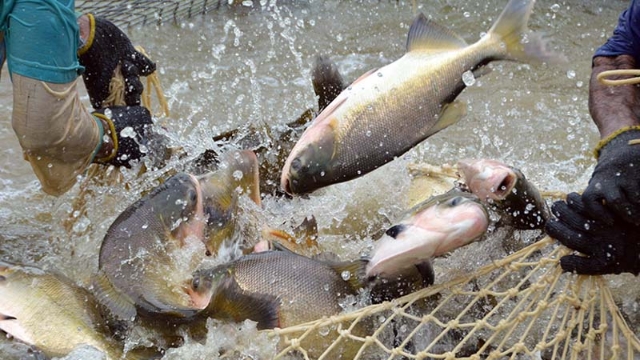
[614, 188]
[609, 248]
[128, 128]
[106, 48]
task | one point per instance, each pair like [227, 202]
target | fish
[50, 312]
[432, 228]
[276, 288]
[303, 240]
[151, 249]
[506, 189]
[387, 111]
[272, 144]
[237, 175]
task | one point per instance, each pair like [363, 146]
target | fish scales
[401, 106]
[386, 112]
[298, 282]
[51, 312]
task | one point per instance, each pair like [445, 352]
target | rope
[153, 81]
[117, 86]
[602, 77]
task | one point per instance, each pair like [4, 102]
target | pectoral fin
[451, 113]
[232, 302]
[120, 305]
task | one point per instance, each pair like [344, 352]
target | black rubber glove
[106, 48]
[609, 248]
[130, 129]
[614, 188]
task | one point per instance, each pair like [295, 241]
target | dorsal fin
[426, 34]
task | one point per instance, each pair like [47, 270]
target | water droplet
[346, 275]
[237, 175]
[466, 14]
[368, 133]
[571, 74]
[128, 132]
[323, 331]
[555, 7]
[587, 226]
[379, 74]
[579, 84]
[247, 3]
[468, 79]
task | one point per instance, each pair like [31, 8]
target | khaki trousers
[57, 133]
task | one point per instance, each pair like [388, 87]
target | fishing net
[521, 306]
[125, 13]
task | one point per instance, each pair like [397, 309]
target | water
[250, 64]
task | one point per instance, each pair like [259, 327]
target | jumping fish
[150, 250]
[506, 189]
[387, 111]
[432, 228]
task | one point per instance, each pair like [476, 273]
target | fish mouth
[309, 165]
[505, 185]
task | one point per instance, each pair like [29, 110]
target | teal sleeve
[42, 40]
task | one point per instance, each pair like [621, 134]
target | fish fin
[308, 231]
[119, 304]
[327, 81]
[357, 270]
[144, 353]
[237, 304]
[425, 268]
[511, 27]
[246, 162]
[451, 113]
[426, 34]
[277, 239]
[481, 71]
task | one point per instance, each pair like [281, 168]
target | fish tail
[521, 45]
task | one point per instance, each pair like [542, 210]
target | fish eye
[395, 230]
[193, 196]
[195, 283]
[456, 201]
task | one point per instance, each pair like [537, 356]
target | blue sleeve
[626, 36]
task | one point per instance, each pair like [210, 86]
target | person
[47, 45]
[604, 222]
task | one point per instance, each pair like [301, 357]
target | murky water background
[242, 65]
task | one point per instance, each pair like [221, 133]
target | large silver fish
[52, 313]
[387, 111]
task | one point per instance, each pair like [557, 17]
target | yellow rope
[153, 81]
[602, 77]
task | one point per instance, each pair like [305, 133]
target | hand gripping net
[520, 307]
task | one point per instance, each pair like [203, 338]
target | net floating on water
[520, 307]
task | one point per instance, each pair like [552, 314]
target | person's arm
[613, 107]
